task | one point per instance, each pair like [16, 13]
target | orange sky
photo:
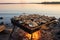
[24, 1]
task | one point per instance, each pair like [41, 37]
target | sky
[24, 1]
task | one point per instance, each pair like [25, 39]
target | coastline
[14, 35]
[30, 3]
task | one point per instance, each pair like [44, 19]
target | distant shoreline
[50, 3]
[34, 3]
[20, 3]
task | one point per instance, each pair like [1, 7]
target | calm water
[10, 10]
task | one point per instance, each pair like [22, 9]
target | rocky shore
[51, 32]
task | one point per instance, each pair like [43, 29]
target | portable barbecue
[29, 28]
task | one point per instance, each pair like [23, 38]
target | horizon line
[24, 3]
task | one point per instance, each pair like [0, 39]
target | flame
[35, 36]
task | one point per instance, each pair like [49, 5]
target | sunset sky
[24, 1]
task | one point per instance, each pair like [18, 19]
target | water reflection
[43, 9]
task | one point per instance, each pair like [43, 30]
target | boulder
[1, 17]
[2, 28]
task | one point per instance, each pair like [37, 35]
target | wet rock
[1, 17]
[1, 23]
[2, 28]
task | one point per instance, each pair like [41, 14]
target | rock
[1, 23]
[33, 24]
[8, 30]
[2, 28]
[1, 17]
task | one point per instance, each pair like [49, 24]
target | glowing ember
[35, 36]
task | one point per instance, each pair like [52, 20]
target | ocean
[9, 10]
